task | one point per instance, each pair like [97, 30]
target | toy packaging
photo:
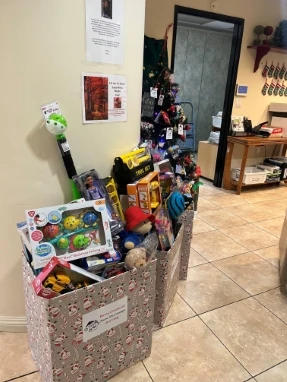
[92, 188]
[96, 263]
[149, 193]
[59, 277]
[164, 229]
[69, 231]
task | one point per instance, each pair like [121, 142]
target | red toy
[50, 231]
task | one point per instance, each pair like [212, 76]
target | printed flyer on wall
[105, 31]
[104, 98]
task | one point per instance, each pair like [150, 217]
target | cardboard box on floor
[93, 333]
[167, 276]
[187, 221]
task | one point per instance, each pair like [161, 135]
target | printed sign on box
[106, 318]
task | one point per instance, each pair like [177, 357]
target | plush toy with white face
[56, 124]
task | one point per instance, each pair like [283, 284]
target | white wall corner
[13, 324]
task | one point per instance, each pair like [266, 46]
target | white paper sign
[180, 129]
[50, 108]
[104, 98]
[169, 133]
[106, 318]
[105, 31]
[153, 92]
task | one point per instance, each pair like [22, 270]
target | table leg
[227, 166]
[243, 164]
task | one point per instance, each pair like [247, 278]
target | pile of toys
[91, 239]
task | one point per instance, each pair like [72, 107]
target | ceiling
[202, 23]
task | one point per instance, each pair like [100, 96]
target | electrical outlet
[238, 103]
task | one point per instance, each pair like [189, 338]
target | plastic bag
[142, 254]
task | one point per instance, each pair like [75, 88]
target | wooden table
[228, 183]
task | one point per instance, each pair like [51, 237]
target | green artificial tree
[280, 36]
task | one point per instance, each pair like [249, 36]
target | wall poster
[104, 98]
[105, 31]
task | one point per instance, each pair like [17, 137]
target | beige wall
[42, 57]
[161, 12]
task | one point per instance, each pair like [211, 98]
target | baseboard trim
[13, 324]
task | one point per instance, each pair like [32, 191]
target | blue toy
[90, 219]
[175, 205]
[130, 240]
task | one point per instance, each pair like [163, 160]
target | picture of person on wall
[107, 9]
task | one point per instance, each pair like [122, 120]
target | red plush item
[134, 216]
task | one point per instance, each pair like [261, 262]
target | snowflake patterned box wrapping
[167, 276]
[187, 220]
[93, 333]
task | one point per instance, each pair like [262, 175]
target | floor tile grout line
[147, 371]
[269, 310]
[264, 229]
[225, 346]
[270, 368]
[21, 376]
[250, 295]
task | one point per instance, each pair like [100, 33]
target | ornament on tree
[285, 93]
[282, 72]
[277, 72]
[271, 88]
[271, 71]
[282, 90]
[277, 88]
[265, 88]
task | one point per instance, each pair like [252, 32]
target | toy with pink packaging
[70, 231]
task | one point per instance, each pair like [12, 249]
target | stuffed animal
[131, 240]
[137, 221]
[136, 258]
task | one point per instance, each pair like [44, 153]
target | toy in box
[59, 277]
[149, 193]
[69, 231]
[96, 263]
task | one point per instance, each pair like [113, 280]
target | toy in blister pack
[92, 188]
[164, 229]
[96, 263]
[139, 256]
[70, 231]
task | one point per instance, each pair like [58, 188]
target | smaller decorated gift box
[69, 231]
[167, 276]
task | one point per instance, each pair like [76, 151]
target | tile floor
[228, 322]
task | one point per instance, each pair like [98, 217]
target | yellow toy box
[149, 196]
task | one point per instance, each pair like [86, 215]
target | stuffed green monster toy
[57, 125]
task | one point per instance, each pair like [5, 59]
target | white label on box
[106, 318]
[175, 263]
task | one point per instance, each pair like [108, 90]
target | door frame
[231, 77]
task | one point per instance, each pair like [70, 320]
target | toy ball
[56, 124]
[50, 231]
[90, 218]
[80, 241]
[63, 243]
[175, 205]
[71, 222]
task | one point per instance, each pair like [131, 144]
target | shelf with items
[262, 51]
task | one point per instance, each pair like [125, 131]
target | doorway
[205, 57]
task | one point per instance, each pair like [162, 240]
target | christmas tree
[280, 35]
